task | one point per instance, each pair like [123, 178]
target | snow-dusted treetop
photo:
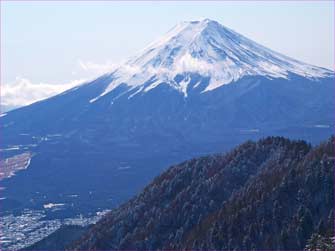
[209, 49]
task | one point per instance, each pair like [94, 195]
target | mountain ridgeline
[266, 195]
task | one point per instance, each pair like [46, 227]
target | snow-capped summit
[207, 48]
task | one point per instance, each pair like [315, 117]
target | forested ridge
[272, 194]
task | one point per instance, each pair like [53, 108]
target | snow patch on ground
[322, 126]
[53, 205]
[124, 167]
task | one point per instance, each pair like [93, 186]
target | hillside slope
[59, 239]
[272, 194]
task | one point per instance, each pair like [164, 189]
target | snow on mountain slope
[209, 49]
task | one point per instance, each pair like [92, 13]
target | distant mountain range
[201, 88]
[274, 194]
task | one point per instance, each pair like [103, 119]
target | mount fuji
[201, 88]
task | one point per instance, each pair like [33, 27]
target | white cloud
[97, 68]
[189, 63]
[23, 92]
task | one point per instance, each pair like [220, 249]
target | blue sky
[59, 43]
